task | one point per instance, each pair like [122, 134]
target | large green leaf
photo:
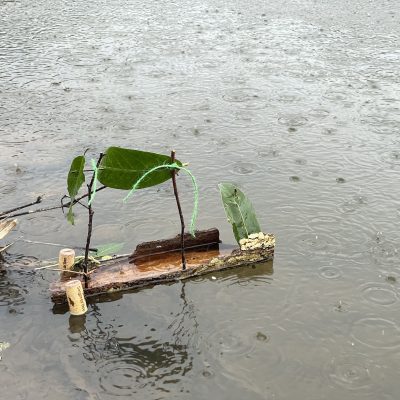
[239, 211]
[75, 179]
[120, 168]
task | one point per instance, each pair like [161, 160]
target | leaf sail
[75, 179]
[239, 211]
[120, 168]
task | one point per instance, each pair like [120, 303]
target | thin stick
[37, 201]
[3, 249]
[49, 208]
[62, 270]
[173, 174]
[90, 224]
[54, 244]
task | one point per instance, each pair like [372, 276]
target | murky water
[298, 102]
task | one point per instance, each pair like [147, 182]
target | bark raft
[146, 267]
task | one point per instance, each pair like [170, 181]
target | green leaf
[239, 211]
[70, 216]
[109, 249]
[4, 345]
[75, 179]
[120, 168]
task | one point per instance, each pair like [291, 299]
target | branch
[90, 222]
[66, 205]
[178, 203]
[37, 201]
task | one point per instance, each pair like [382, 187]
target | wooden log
[120, 274]
[202, 239]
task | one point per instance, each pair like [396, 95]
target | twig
[7, 246]
[46, 267]
[90, 223]
[63, 270]
[49, 208]
[37, 201]
[53, 244]
[173, 174]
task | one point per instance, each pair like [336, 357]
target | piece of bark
[201, 240]
[121, 275]
[6, 227]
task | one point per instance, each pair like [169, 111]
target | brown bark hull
[118, 275]
[202, 239]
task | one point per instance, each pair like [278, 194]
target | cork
[76, 298]
[66, 259]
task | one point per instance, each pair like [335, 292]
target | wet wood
[201, 239]
[6, 227]
[120, 274]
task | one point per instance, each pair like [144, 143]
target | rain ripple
[250, 98]
[249, 341]
[379, 293]
[152, 365]
[377, 333]
[329, 272]
[307, 243]
[350, 372]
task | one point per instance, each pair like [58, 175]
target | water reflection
[149, 362]
[15, 276]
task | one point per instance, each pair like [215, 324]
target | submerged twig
[173, 174]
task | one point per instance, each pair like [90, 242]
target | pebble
[256, 241]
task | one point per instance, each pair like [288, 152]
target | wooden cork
[75, 297]
[66, 259]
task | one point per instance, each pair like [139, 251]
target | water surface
[298, 103]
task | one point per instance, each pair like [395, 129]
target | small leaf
[120, 168]
[75, 179]
[6, 227]
[4, 345]
[109, 249]
[239, 211]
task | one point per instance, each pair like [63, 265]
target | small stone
[253, 236]
[214, 261]
[242, 242]
[261, 236]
